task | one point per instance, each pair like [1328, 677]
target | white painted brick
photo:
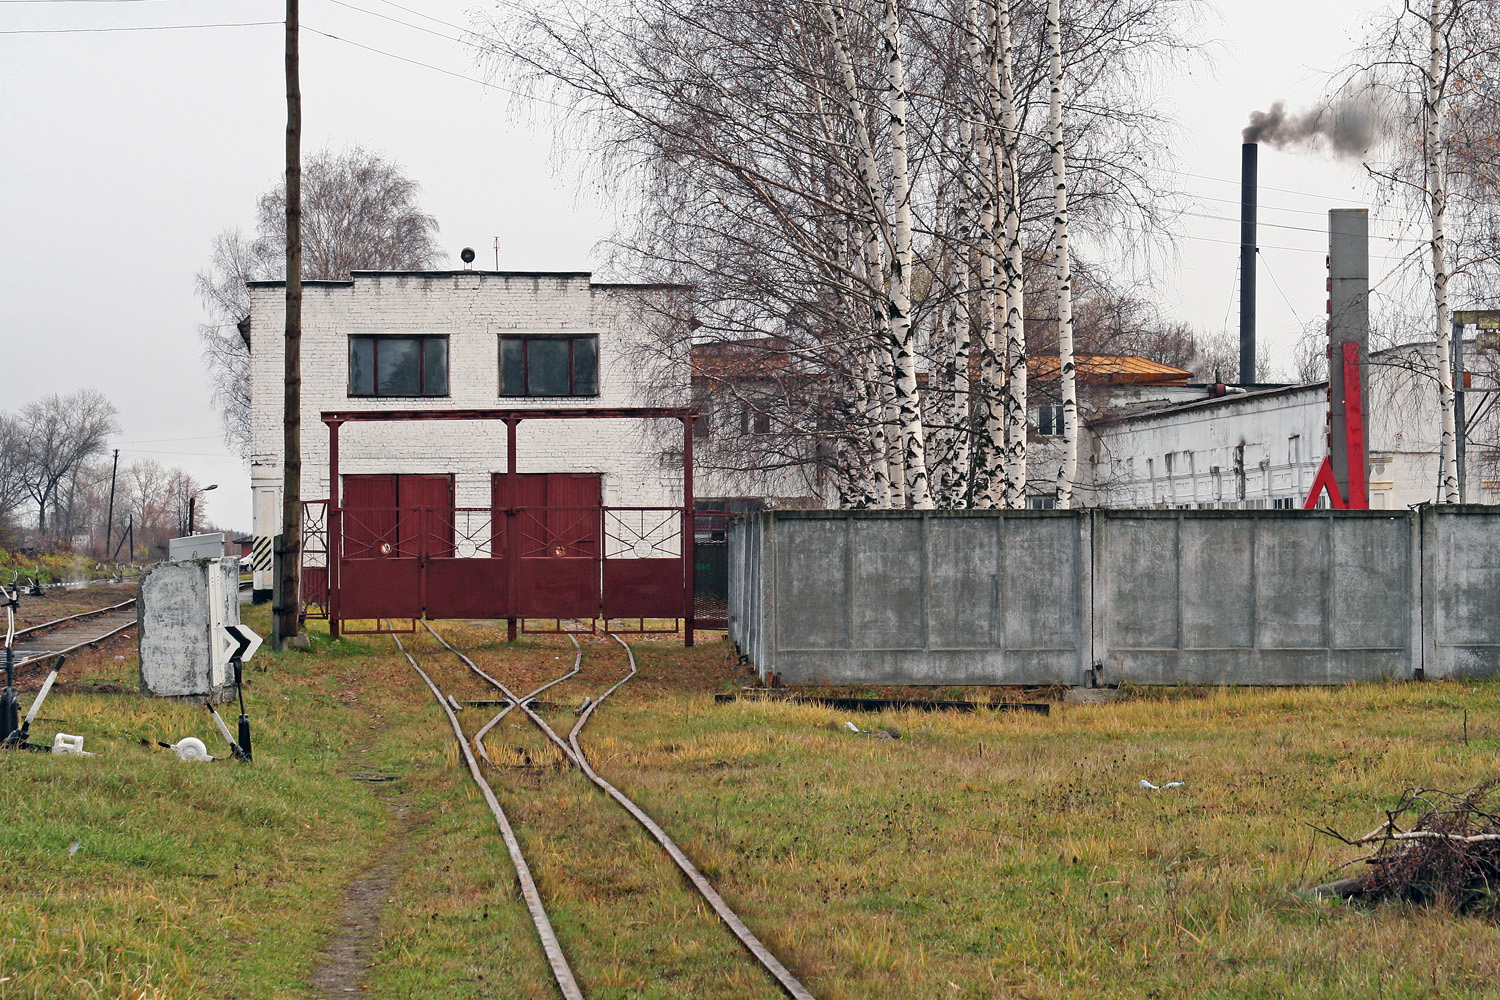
[473, 309]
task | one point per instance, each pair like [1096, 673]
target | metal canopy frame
[512, 418]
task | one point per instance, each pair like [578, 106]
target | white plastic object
[1170, 784]
[852, 727]
[191, 748]
[69, 744]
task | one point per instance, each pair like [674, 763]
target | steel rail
[479, 736]
[550, 945]
[70, 618]
[783, 976]
[79, 645]
[516, 700]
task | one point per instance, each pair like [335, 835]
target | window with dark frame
[398, 366]
[549, 366]
[754, 420]
[1049, 420]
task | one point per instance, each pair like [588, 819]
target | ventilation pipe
[1248, 182]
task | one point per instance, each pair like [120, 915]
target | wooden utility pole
[289, 545]
[109, 520]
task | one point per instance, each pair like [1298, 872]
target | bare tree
[1432, 66]
[155, 500]
[13, 475]
[58, 436]
[1310, 353]
[1063, 260]
[828, 178]
[359, 212]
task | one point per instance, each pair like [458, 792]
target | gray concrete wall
[1460, 591]
[882, 597]
[1157, 596]
[1253, 597]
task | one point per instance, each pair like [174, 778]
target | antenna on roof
[497, 253]
[467, 256]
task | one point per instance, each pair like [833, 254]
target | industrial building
[448, 414]
[1230, 447]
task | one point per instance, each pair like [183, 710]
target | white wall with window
[468, 340]
[1261, 450]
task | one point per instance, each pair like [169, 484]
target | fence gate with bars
[396, 546]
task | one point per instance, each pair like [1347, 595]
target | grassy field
[973, 856]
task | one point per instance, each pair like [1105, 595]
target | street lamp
[193, 505]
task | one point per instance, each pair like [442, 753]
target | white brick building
[435, 340]
[1262, 448]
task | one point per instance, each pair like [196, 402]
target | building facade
[469, 340]
[1261, 448]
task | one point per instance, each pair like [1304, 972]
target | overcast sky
[123, 153]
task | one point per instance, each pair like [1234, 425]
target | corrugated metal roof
[1112, 368]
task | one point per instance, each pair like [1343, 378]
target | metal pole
[1460, 421]
[109, 520]
[334, 527]
[512, 541]
[689, 526]
[1249, 179]
[192, 512]
[288, 548]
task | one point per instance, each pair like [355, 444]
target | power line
[436, 69]
[408, 24]
[201, 437]
[189, 454]
[1272, 275]
[1302, 229]
[139, 27]
[1267, 187]
[1321, 213]
[426, 17]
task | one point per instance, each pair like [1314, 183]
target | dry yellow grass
[976, 856]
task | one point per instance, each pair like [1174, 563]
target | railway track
[73, 632]
[573, 753]
[73, 618]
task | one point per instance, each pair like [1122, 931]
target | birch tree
[1016, 413]
[1432, 67]
[1062, 260]
[1435, 80]
[828, 179]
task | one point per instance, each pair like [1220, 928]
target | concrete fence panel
[901, 597]
[1252, 597]
[1461, 591]
[1105, 596]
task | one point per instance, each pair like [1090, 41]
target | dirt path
[340, 969]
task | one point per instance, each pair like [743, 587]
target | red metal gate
[546, 547]
[390, 527]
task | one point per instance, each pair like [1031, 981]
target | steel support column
[689, 528]
[334, 527]
[512, 541]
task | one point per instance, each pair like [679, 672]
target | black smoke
[1345, 128]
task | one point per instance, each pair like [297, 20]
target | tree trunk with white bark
[1062, 258]
[1014, 267]
[913, 445]
[1438, 196]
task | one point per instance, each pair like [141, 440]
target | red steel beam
[574, 413]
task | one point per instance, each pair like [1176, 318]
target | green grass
[977, 856]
